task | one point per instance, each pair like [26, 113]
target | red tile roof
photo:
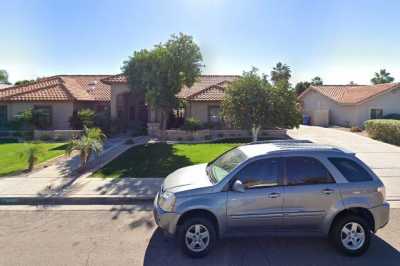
[202, 85]
[351, 94]
[120, 78]
[61, 88]
[204, 82]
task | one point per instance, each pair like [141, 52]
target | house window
[3, 115]
[132, 113]
[43, 116]
[214, 114]
[376, 113]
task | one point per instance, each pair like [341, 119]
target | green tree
[317, 81]
[24, 82]
[247, 103]
[251, 102]
[31, 154]
[281, 72]
[90, 142]
[301, 86]
[382, 77]
[4, 77]
[161, 72]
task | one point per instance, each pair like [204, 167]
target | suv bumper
[167, 221]
[381, 215]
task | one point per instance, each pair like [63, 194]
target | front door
[260, 205]
[310, 192]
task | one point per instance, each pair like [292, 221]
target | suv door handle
[327, 191]
[273, 195]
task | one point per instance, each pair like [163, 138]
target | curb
[105, 200]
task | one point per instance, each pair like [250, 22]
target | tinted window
[305, 170]
[351, 170]
[261, 173]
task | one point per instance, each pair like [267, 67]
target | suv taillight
[382, 190]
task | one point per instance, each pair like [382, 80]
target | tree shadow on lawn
[269, 251]
[149, 160]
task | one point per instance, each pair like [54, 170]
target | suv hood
[186, 178]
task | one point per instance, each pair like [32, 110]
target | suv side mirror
[238, 186]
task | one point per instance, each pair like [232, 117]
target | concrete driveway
[384, 159]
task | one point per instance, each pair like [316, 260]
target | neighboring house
[203, 100]
[58, 96]
[349, 105]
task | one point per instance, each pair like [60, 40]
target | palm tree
[32, 153]
[382, 77]
[90, 142]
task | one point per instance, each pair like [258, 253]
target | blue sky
[338, 40]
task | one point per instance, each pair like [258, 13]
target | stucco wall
[389, 102]
[338, 114]
[60, 114]
[199, 110]
[353, 115]
[116, 89]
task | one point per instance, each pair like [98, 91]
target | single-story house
[58, 96]
[349, 105]
[202, 100]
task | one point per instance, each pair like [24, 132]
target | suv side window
[306, 171]
[351, 170]
[261, 173]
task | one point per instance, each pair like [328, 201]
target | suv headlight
[166, 201]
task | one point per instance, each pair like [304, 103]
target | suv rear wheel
[196, 236]
[351, 234]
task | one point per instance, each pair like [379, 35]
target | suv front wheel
[351, 234]
[197, 236]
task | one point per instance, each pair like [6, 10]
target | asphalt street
[127, 235]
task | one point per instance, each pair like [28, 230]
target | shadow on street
[269, 251]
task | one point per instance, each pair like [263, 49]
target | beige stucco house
[58, 96]
[349, 105]
[202, 100]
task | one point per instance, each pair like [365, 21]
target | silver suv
[273, 187]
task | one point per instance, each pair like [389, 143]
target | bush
[392, 116]
[191, 124]
[386, 130]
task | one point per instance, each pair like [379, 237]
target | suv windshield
[224, 164]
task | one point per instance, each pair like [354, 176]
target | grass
[160, 159]
[11, 162]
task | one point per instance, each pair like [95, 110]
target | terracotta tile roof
[60, 88]
[212, 93]
[351, 94]
[205, 82]
[120, 78]
[3, 86]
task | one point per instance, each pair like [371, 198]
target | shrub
[392, 116]
[386, 130]
[191, 124]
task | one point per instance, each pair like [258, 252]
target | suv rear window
[351, 170]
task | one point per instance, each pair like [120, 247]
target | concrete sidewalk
[82, 191]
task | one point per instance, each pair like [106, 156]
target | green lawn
[160, 159]
[11, 162]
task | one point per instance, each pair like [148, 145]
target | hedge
[386, 130]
